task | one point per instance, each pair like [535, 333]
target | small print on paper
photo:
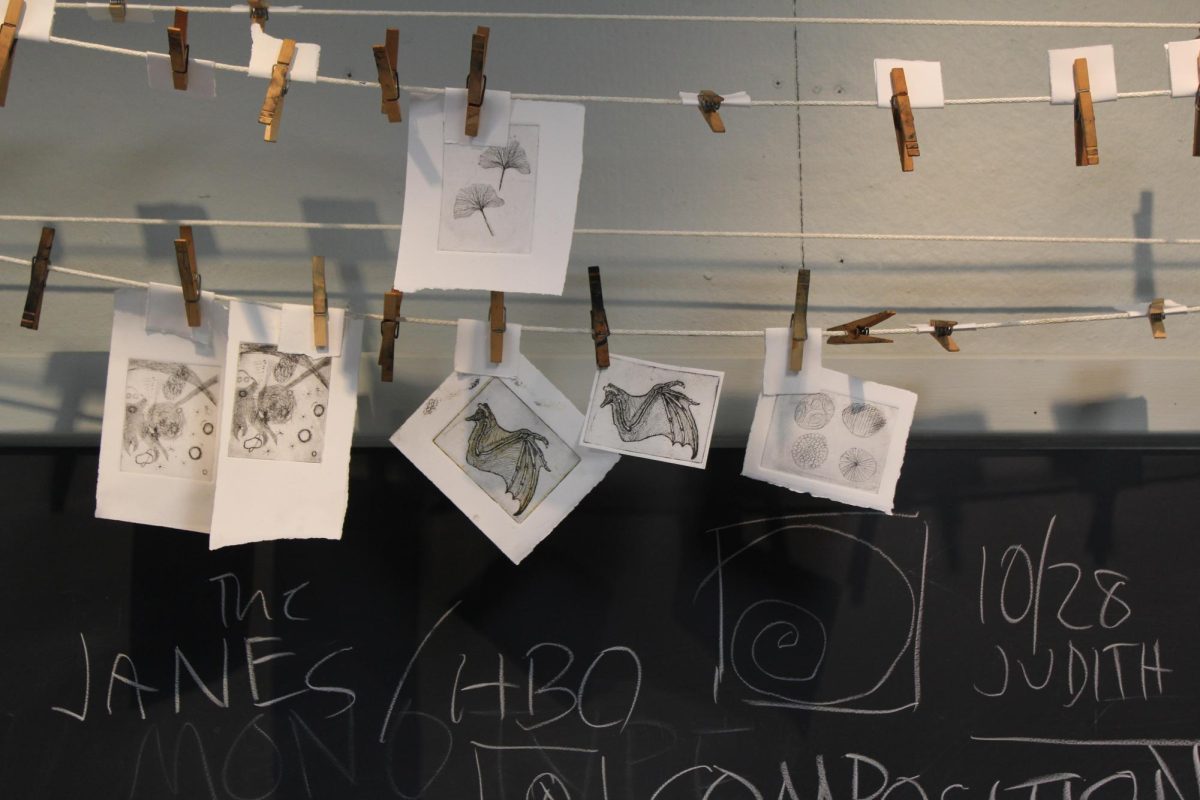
[280, 405]
[830, 437]
[514, 457]
[170, 419]
[488, 194]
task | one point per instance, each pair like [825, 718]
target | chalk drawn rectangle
[280, 404]
[171, 419]
[488, 194]
[538, 772]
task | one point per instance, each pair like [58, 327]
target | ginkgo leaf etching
[510, 156]
[477, 197]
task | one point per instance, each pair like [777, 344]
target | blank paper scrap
[777, 378]
[202, 76]
[101, 13]
[497, 217]
[38, 20]
[158, 444]
[1102, 73]
[1183, 68]
[472, 349]
[924, 80]
[264, 54]
[654, 411]
[842, 438]
[502, 451]
[284, 451]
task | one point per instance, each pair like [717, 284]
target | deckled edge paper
[731, 99]
[1181, 64]
[415, 439]
[202, 76]
[296, 334]
[472, 350]
[260, 499]
[152, 499]
[165, 313]
[264, 55]
[778, 346]
[38, 20]
[100, 13]
[904, 401]
[1102, 73]
[493, 118]
[924, 79]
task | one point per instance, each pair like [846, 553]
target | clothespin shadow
[116, 10]
[39, 273]
[1157, 314]
[386, 56]
[942, 331]
[1196, 125]
[1087, 151]
[599, 318]
[320, 303]
[902, 119]
[8, 44]
[799, 322]
[189, 274]
[710, 107]
[497, 325]
[272, 108]
[859, 330]
[177, 47]
[389, 331]
[259, 12]
[476, 79]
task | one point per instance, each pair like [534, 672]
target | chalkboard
[1024, 627]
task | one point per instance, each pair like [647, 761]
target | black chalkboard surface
[1025, 627]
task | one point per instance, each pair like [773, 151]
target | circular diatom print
[810, 451]
[285, 367]
[207, 428]
[814, 411]
[276, 403]
[164, 421]
[195, 453]
[304, 435]
[863, 419]
[858, 465]
[318, 410]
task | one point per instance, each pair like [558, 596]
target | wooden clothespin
[476, 80]
[259, 12]
[116, 10]
[1087, 152]
[799, 323]
[8, 43]
[1157, 315]
[272, 108]
[859, 331]
[599, 318]
[320, 303]
[177, 46]
[386, 56]
[1196, 127]
[902, 119]
[189, 274]
[37, 281]
[710, 107]
[389, 331]
[498, 324]
[942, 330]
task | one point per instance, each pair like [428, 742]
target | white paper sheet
[165, 312]
[1181, 64]
[778, 345]
[158, 444]
[731, 99]
[654, 411]
[924, 79]
[494, 118]
[491, 227]
[202, 76]
[447, 438]
[284, 450]
[264, 55]
[37, 21]
[1102, 73]
[100, 13]
[296, 331]
[843, 439]
[472, 350]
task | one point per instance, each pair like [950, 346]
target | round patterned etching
[863, 419]
[857, 465]
[810, 451]
[814, 411]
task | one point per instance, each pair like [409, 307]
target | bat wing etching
[662, 411]
[515, 456]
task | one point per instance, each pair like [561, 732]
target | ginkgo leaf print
[477, 197]
[510, 156]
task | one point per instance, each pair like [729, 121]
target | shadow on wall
[159, 240]
[77, 381]
[1143, 254]
[346, 251]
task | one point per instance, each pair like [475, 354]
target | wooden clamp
[1087, 151]
[599, 318]
[799, 322]
[177, 46]
[8, 43]
[1196, 127]
[116, 10]
[389, 331]
[859, 331]
[902, 119]
[710, 107]
[320, 303]
[189, 274]
[497, 325]
[1157, 315]
[476, 80]
[386, 56]
[942, 330]
[37, 281]
[259, 12]
[272, 108]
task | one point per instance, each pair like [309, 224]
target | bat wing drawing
[662, 411]
[514, 456]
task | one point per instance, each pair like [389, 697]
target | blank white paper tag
[1102, 73]
[776, 377]
[38, 20]
[472, 350]
[202, 77]
[1181, 63]
[296, 331]
[734, 99]
[99, 12]
[493, 118]
[264, 55]
[165, 313]
[924, 79]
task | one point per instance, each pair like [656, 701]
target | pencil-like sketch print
[863, 419]
[810, 451]
[279, 405]
[814, 410]
[858, 465]
[488, 194]
[510, 156]
[662, 411]
[478, 197]
[516, 456]
[170, 415]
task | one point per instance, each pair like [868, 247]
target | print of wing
[518, 459]
[681, 423]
